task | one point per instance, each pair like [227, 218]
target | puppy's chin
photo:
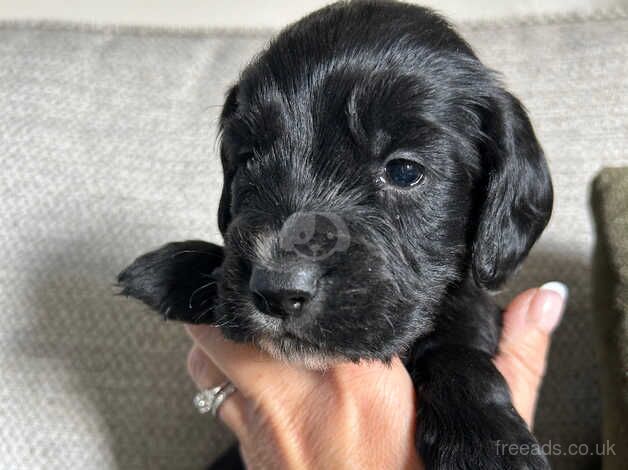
[297, 352]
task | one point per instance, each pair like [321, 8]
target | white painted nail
[549, 313]
[558, 287]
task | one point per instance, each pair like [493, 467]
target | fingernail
[546, 310]
[558, 287]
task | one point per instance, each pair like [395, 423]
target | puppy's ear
[516, 194]
[178, 280]
[228, 167]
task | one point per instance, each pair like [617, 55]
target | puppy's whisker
[204, 286]
[167, 313]
[183, 252]
[202, 314]
[205, 301]
[356, 290]
[387, 318]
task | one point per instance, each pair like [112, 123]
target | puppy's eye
[244, 155]
[403, 173]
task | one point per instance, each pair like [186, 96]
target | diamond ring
[209, 400]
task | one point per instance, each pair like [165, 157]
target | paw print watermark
[314, 235]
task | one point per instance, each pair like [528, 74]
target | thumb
[528, 323]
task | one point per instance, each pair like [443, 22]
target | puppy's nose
[283, 293]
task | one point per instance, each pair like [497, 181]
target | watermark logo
[553, 448]
[314, 235]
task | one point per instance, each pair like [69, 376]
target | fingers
[252, 371]
[206, 375]
[203, 372]
[528, 323]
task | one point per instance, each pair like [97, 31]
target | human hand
[353, 415]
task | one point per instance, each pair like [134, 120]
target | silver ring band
[210, 400]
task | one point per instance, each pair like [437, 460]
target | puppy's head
[372, 166]
[371, 163]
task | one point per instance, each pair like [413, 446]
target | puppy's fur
[309, 128]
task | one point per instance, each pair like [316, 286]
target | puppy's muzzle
[284, 293]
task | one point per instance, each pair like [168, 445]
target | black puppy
[378, 181]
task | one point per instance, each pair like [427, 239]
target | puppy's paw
[490, 438]
[178, 280]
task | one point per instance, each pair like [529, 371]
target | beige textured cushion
[107, 144]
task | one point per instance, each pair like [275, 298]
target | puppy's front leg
[177, 280]
[466, 417]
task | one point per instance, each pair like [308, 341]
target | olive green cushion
[610, 296]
